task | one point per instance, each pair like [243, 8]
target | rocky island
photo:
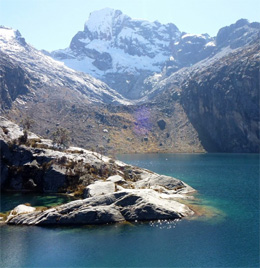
[109, 190]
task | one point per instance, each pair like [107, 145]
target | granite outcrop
[112, 190]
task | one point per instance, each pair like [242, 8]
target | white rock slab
[99, 188]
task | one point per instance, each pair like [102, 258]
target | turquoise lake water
[228, 236]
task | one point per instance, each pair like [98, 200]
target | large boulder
[162, 183]
[20, 210]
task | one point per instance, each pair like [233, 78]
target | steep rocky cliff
[221, 99]
[14, 81]
[222, 102]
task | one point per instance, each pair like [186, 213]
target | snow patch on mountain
[210, 44]
[135, 63]
[7, 33]
[193, 35]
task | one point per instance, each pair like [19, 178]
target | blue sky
[51, 24]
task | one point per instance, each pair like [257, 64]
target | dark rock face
[14, 82]
[222, 102]
[54, 179]
[193, 48]
[4, 156]
[103, 61]
[19, 173]
[24, 168]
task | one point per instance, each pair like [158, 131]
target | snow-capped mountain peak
[123, 52]
[102, 23]
[113, 44]
[9, 35]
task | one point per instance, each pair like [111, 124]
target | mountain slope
[26, 71]
[211, 105]
[35, 86]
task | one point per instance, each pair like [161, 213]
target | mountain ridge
[125, 51]
[175, 114]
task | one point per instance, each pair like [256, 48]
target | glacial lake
[227, 236]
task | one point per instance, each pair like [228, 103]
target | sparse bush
[41, 146]
[79, 191]
[71, 165]
[4, 215]
[41, 208]
[61, 137]
[62, 160]
[75, 151]
[33, 142]
[23, 139]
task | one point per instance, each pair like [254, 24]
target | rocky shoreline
[128, 205]
[112, 191]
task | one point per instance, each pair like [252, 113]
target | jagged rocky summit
[113, 191]
[123, 51]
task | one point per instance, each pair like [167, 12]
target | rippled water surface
[228, 236]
